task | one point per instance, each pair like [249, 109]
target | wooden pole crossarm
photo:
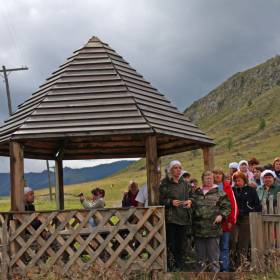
[13, 69]
[60, 152]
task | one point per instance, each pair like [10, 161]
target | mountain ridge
[242, 114]
[248, 84]
[39, 180]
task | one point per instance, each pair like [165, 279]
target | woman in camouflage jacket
[210, 207]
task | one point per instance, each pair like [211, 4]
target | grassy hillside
[242, 116]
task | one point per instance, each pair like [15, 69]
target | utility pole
[5, 72]
[49, 179]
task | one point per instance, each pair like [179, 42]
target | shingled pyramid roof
[102, 107]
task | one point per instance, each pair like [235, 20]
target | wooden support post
[208, 158]
[59, 187]
[257, 238]
[153, 170]
[17, 176]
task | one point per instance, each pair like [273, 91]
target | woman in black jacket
[248, 201]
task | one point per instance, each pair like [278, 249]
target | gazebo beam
[208, 158]
[152, 165]
[59, 187]
[17, 176]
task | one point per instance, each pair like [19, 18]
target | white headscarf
[172, 164]
[27, 190]
[268, 172]
[233, 165]
[242, 162]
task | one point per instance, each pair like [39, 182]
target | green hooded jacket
[206, 207]
[170, 190]
[264, 194]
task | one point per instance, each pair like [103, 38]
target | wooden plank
[4, 249]
[185, 133]
[106, 144]
[278, 203]
[171, 118]
[84, 96]
[101, 151]
[256, 232]
[208, 158]
[16, 176]
[170, 112]
[86, 109]
[153, 170]
[270, 203]
[84, 123]
[59, 185]
[80, 103]
[106, 129]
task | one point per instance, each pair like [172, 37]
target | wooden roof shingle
[94, 96]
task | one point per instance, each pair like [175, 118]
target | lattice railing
[121, 239]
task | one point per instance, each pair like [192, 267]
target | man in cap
[269, 187]
[186, 176]
[29, 205]
[29, 199]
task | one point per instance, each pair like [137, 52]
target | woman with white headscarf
[175, 196]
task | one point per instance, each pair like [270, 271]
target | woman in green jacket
[175, 196]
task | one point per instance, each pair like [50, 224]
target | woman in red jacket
[227, 224]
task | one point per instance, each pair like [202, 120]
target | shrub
[262, 124]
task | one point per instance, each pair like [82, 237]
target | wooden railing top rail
[79, 209]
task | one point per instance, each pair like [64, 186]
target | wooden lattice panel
[121, 239]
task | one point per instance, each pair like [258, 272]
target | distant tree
[230, 143]
[262, 123]
[249, 103]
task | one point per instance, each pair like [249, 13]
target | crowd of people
[211, 218]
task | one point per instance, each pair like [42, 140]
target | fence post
[270, 207]
[278, 203]
[257, 238]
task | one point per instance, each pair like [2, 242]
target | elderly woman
[269, 187]
[129, 198]
[211, 207]
[175, 196]
[248, 201]
[244, 168]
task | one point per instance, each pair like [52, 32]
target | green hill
[242, 115]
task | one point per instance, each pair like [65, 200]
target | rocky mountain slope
[243, 113]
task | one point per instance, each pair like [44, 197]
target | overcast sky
[185, 48]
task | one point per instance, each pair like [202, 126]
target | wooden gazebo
[94, 106]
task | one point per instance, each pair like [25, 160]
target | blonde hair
[274, 161]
